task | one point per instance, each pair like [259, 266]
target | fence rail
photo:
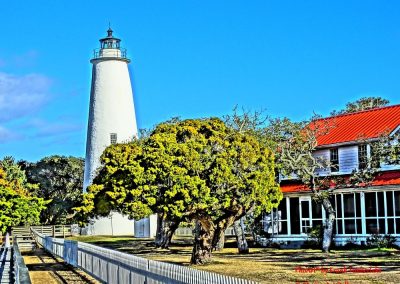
[114, 267]
[21, 273]
[48, 230]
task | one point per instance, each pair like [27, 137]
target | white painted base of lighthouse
[147, 227]
[120, 225]
[115, 224]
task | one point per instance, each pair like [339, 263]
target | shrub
[315, 237]
[381, 241]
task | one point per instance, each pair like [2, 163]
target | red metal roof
[385, 178]
[360, 125]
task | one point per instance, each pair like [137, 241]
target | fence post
[54, 231]
[63, 228]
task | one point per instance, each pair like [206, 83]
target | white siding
[348, 159]
[386, 167]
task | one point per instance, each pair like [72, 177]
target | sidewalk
[44, 268]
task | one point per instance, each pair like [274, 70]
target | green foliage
[315, 237]
[381, 241]
[17, 207]
[16, 176]
[60, 181]
[191, 169]
[362, 104]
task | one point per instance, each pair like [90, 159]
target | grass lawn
[267, 265]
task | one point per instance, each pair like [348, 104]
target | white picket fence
[114, 267]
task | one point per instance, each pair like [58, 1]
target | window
[276, 222]
[334, 159]
[294, 215]
[362, 156]
[348, 213]
[374, 153]
[113, 138]
[305, 215]
[379, 212]
[317, 215]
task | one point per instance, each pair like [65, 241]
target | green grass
[267, 265]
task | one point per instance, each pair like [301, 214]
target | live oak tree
[17, 206]
[198, 169]
[59, 180]
[362, 104]
[240, 172]
[155, 174]
[295, 144]
[249, 123]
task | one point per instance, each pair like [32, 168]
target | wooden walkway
[45, 268]
[6, 275]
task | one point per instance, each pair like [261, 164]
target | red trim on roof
[366, 124]
[385, 178]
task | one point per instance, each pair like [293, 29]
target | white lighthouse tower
[111, 120]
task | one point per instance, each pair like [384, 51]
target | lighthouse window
[113, 138]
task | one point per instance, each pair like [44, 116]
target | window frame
[113, 138]
[362, 155]
[334, 160]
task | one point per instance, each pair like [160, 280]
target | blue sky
[189, 59]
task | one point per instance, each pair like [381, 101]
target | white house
[360, 211]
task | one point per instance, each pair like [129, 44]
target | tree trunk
[218, 241]
[221, 242]
[165, 231]
[204, 233]
[328, 228]
[242, 245]
[219, 235]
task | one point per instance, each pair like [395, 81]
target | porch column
[363, 223]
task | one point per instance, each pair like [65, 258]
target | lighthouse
[111, 120]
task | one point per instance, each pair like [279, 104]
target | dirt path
[44, 268]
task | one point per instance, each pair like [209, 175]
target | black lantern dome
[110, 48]
[110, 41]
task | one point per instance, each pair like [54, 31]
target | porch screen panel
[382, 211]
[396, 204]
[370, 204]
[348, 213]
[349, 209]
[371, 221]
[358, 207]
[282, 218]
[338, 206]
[381, 204]
[316, 209]
[390, 212]
[389, 204]
[276, 222]
[294, 215]
[358, 213]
